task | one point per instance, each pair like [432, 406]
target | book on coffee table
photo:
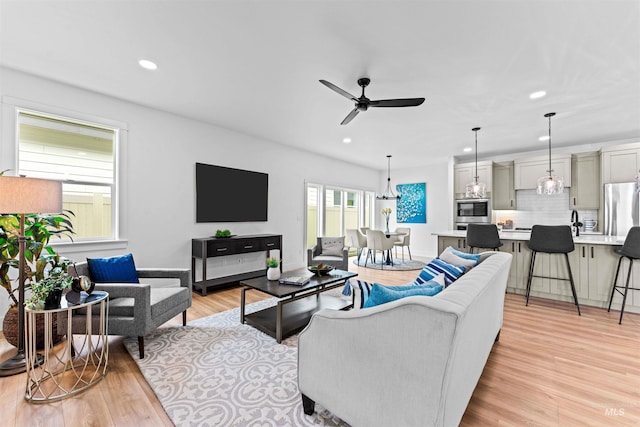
[294, 280]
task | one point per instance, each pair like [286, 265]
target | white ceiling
[254, 66]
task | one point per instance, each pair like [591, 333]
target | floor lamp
[20, 195]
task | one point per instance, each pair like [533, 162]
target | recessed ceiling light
[544, 138]
[467, 149]
[81, 153]
[146, 64]
[346, 140]
[539, 94]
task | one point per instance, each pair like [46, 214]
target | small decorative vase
[387, 225]
[273, 273]
[52, 300]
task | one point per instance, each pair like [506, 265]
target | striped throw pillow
[438, 266]
[361, 291]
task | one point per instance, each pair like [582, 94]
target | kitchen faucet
[575, 222]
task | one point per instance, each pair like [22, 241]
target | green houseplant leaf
[38, 230]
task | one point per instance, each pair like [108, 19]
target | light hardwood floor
[551, 367]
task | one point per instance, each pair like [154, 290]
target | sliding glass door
[332, 210]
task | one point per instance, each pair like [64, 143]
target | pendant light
[550, 184]
[388, 193]
[475, 189]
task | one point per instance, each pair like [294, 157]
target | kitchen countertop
[586, 239]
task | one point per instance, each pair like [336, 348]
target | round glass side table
[77, 363]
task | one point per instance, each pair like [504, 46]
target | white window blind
[82, 156]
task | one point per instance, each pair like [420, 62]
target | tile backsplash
[548, 210]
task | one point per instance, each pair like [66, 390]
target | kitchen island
[593, 264]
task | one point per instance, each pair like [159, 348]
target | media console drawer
[210, 247]
[221, 247]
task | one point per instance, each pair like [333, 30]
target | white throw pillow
[453, 259]
[332, 246]
[439, 279]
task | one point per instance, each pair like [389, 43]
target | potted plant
[38, 256]
[47, 293]
[273, 272]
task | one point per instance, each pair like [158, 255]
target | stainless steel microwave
[473, 210]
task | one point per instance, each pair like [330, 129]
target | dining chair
[377, 241]
[403, 239]
[355, 239]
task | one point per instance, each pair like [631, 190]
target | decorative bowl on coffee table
[320, 269]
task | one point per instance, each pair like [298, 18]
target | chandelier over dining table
[388, 192]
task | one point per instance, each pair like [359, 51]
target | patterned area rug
[217, 372]
[398, 264]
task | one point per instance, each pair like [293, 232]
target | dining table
[388, 260]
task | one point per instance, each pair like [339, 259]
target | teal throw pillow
[117, 269]
[383, 294]
[474, 257]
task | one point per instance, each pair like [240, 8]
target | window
[82, 156]
[339, 210]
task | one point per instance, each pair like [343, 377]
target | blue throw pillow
[383, 294]
[118, 269]
[437, 266]
[465, 255]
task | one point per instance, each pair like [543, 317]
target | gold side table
[77, 363]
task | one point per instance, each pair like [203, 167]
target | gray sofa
[135, 309]
[410, 362]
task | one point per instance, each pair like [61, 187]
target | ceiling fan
[363, 103]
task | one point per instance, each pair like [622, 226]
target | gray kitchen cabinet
[593, 267]
[514, 281]
[503, 193]
[464, 173]
[459, 243]
[620, 163]
[527, 171]
[597, 267]
[586, 190]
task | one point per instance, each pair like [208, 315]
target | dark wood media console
[209, 247]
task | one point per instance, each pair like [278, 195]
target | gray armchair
[135, 309]
[329, 251]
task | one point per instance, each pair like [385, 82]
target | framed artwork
[412, 206]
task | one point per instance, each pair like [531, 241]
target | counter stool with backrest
[551, 239]
[483, 236]
[631, 251]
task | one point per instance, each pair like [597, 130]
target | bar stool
[631, 251]
[483, 236]
[551, 239]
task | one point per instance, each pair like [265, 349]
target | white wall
[158, 192]
[436, 176]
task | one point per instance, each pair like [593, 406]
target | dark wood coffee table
[296, 304]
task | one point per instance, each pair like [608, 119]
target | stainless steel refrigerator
[621, 208]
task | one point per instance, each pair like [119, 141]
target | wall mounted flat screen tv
[230, 195]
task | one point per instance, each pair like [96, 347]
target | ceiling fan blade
[350, 117]
[408, 102]
[340, 91]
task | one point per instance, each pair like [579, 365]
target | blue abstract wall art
[412, 206]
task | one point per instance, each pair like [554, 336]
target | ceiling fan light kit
[363, 103]
[550, 184]
[388, 193]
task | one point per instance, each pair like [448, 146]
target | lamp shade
[20, 195]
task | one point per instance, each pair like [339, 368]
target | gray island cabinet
[593, 264]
